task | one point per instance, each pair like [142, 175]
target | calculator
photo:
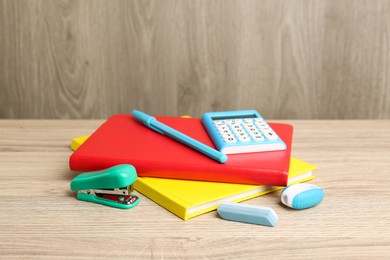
[241, 131]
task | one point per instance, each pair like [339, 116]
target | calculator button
[258, 138]
[235, 127]
[238, 131]
[244, 139]
[265, 129]
[229, 121]
[218, 122]
[227, 135]
[241, 134]
[254, 133]
[230, 140]
[259, 120]
[252, 129]
[262, 125]
[271, 135]
[225, 132]
[248, 125]
[222, 128]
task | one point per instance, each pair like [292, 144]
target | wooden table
[40, 216]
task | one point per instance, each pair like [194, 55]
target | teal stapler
[110, 187]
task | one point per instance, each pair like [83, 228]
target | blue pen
[161, 128]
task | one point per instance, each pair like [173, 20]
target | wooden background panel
[287, 59]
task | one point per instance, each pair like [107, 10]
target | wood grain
[288, 59]
[41, 218]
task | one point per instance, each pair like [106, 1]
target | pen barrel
[195, 144]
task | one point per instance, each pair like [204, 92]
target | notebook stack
[181, 179]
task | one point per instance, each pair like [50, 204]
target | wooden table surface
[40, 217]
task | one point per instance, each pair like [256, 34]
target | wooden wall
[287, 59]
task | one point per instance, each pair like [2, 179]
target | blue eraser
[248, 213]
[302, 196]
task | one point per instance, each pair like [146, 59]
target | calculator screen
[233, 117]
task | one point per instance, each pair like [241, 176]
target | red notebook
[121, 139]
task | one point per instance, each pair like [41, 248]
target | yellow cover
[77, 141]
[187, 199]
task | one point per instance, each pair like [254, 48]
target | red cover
[121, 139]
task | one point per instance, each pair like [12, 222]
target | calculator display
[233, 117]
[241, 131]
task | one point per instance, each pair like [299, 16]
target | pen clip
[154, 128]
[146, 119]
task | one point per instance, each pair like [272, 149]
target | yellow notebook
[188, 199]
